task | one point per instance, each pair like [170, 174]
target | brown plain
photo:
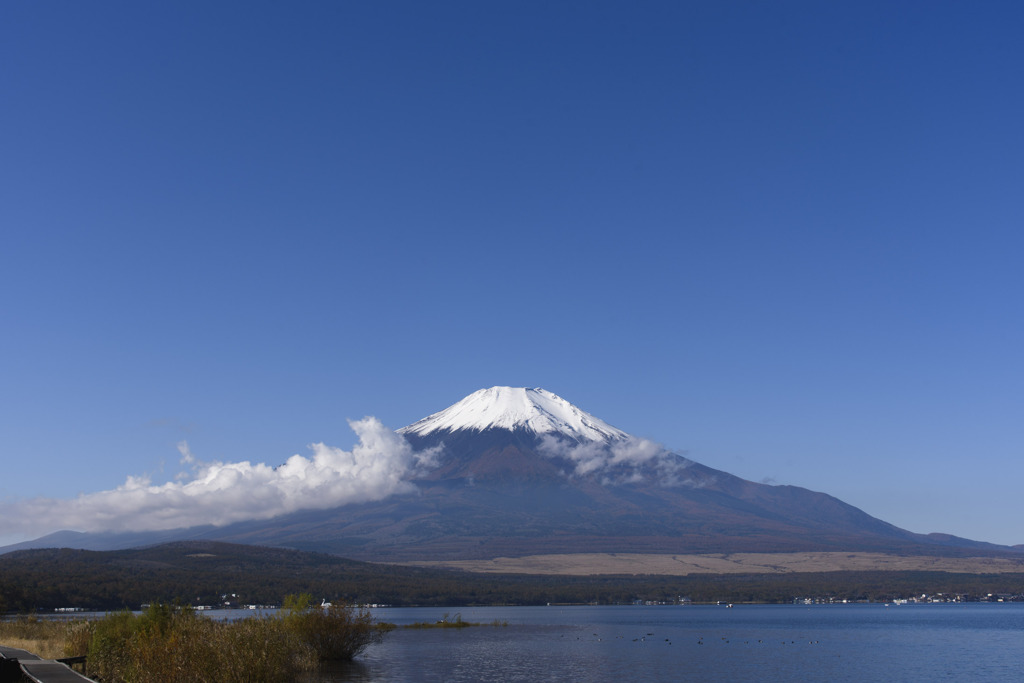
[589, 564]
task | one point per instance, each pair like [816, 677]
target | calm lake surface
[954, 642]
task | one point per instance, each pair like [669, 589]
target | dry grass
[50, 639]
[47, 649]
[166, 644]
[590, 564]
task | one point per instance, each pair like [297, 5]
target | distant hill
[200, 573]
[211, 573]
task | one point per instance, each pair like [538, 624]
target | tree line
[208, 573]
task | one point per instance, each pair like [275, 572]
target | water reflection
[341, 672]
[764, 643]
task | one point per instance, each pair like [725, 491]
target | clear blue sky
[784, 237]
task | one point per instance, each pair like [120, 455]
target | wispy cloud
[219, 493]
[620, 462]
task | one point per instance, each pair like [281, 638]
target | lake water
[948, 642]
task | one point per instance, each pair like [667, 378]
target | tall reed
[175, 645]
[48, 638]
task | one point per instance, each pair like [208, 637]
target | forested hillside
[206, 573]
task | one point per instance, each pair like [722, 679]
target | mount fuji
[530, 410]
[514, 471]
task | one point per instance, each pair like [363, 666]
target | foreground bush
[177, 645]
[334, 632]
[172, 645]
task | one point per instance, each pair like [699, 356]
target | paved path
[42, 670]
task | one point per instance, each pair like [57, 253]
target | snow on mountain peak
[534, 410]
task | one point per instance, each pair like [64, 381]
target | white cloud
[186, 453]
[620, 462]
[220, 493]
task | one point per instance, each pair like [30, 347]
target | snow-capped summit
[515, 408]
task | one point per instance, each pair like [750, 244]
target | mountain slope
[524, 472]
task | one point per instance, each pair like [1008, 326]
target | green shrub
[335, 632]
[110, 648]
